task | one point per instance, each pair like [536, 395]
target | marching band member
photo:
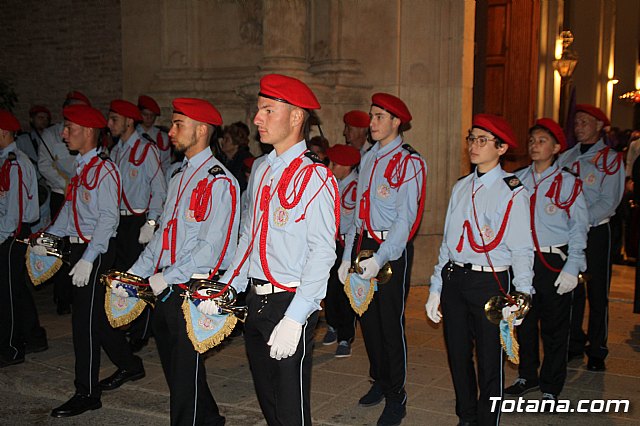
[191, 239]
[601, 170]
[88, 220]
[389, 205]
[341, 319]
[286, 250]
[559, 225]
[485, 233]
[20, 330]
[149, 111]
[356, 130]
[143, 194]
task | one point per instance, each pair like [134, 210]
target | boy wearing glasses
[485, 234]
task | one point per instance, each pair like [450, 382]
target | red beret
[197, 109]
[126, 109]
[147, 102]
[37, 109]
[8, 121]
[289, 90]
[344, 155]
[78, 96]
[356, 118]
[594, 112]
[85, 116]
[498, 126]
[248, 162]
[556, 131]
[392, 104]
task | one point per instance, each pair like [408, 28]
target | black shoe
[392, 414]
[574, 355]
[78, 404]
[520, 387]
[595, 364]
[120, 377]
[373, 397]
[137, 344]
[6, 362]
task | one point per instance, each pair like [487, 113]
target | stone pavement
[29, 391]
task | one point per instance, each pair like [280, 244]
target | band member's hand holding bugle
[197, 234]
[486, 232]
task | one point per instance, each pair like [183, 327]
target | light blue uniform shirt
[553, 226]
[348, 193]
[143, 185]
[9, 200]
[391, 209]
[162, 143]
[299, 249]
[199, 244]
[492, 195]
[60, 168]
[171, 171]
[602, 192]
[98, 214]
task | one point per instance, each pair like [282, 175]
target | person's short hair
[239, 133]
[320, 142]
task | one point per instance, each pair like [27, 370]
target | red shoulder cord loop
[136, 162]
[5, 185]
[554, 193]
[554, 190]
[160, 142]
[348, 202]
[608, 167]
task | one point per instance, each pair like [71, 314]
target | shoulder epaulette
[410, 149]
[313, 156]
[176, 171]
[12, 156]
[512, 182]
[217, 170]
[104, 156]
[571, 172]
[149, 138]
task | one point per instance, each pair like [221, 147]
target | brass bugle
[141, 285]
[383, 276]
[226, 300]
[54, 245]
[493, 307]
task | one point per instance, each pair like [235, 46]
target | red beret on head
[37, 109]
[126, 109]
[289, 90]
[8, 121]
[498, 126]
[78, 96]
[248, 162]
[147, 102]
[197, 109]
[344, 155]
[556, 131]
[594, 112]
[392, 104]
[357, 118]
[85, 116]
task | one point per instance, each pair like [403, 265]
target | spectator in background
[234, 149]
[319, 145]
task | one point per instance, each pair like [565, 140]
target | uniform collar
[592, 151]
[488, 178]
[132, 139]
[4, 153]
[288, 156]
[379, 150]
[83, 159]
[548, 172]
[198, 159]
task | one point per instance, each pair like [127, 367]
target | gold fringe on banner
[216, 339]
[124, 319]
[515, 347]
[365, 305]
[37, 280]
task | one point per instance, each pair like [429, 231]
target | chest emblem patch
[280, 216]
[383, 191]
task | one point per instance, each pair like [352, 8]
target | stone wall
[54, 46]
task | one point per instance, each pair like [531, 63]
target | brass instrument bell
[383, 276]
[226, 301]
[493, 307]
[141, 285]
[56, 246]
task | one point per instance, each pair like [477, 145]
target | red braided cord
[606, 167]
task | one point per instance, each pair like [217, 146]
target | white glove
[508, 310]
[118, 290]
[209, 307]
[432, 307]
[81, 272]
[566, 282]
[146, 233]
[39, 250]
[284, 338]
[343, 271]
[157, 283]
[370, 268]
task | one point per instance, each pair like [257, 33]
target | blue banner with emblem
[41, 268]
[206, 331]
[359, 291]
[122, 310]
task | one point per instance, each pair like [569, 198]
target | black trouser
[90, 326]
[383, 328]
[128, 250]
[62, 287]
[283, 387]
[464, 294]
[552, 311]
[191, 401]
[337, 308]
[19, 324]
[599, 281]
